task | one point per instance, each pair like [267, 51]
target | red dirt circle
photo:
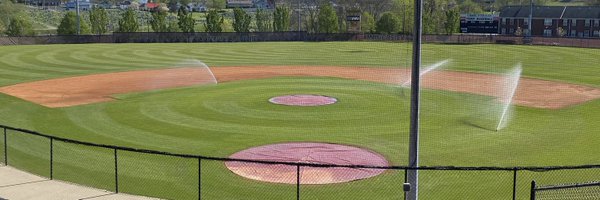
[303, 100]
[316, 153]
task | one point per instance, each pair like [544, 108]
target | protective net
[581, 191]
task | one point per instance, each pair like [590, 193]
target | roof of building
[583, 12]
[151, 5]
[555, 12]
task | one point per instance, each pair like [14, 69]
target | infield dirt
[80, 90]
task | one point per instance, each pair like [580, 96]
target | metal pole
[514, 193]
[199, 178]
[78, 20]
[51, 158]
[297, 182]
[413, 154]
[116, 173]
[405, 181]
[5, 149]
[530, 18]
[532, 194]
[298, 9]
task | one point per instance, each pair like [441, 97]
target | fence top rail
[147, 151]
[567, 186]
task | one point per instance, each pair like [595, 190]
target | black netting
[588, 192]
[163, 175]
[443, 184]
[557, 177]
[562, 177]
[157, 175]
[85, 165]
[376, 187]
[218, 182]
[27, 152]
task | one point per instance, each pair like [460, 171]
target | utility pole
[413, 151]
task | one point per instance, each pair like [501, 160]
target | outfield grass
[26, 63]
[219, 120]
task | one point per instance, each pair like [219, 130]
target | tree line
[278, 20]
[315, 16]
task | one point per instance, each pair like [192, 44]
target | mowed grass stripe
[481, 58]
[60, 58]
[13, 63]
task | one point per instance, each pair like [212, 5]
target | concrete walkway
[19, 185]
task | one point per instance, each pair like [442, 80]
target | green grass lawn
[219, 120]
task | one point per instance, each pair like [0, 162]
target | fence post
[405, 181]
[514, 193]
[116, 173]
[5, 149]
[51, 158]
[297, 182]
[532, 194]
[199, 178]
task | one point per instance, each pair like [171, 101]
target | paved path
[19, 185]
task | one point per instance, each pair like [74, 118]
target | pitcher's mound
[303, 100]
[317, 153]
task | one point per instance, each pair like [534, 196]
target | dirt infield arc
[80, 90]
[307, 152]
[303, 100]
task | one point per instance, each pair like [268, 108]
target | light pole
[530, 18]
[78, 20]
[413, 151]
[299, 16]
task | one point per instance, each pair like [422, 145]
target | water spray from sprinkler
[509, 90]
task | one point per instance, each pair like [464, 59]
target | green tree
[214, 22]
[8, 10]
[367, 23]
[216, 4]
[263, 21]
[388, 23]
[128, 22]
[312, 21]
[184, 2]
[452, 20]
[99, 20]
[173, 27]
[433, 17]
[68, 25]
[404, 10]
[327, 19]
[241, 20]
[185, 20]
[159, 21]
[19, 26]
[470, 7]
[281, 19]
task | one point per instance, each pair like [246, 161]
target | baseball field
[554, 118]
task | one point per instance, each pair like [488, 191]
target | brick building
[551, 21]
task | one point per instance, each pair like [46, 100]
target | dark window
[547, 22]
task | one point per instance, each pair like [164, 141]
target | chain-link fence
[577, 191]
[179, 176]
[151, 37]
